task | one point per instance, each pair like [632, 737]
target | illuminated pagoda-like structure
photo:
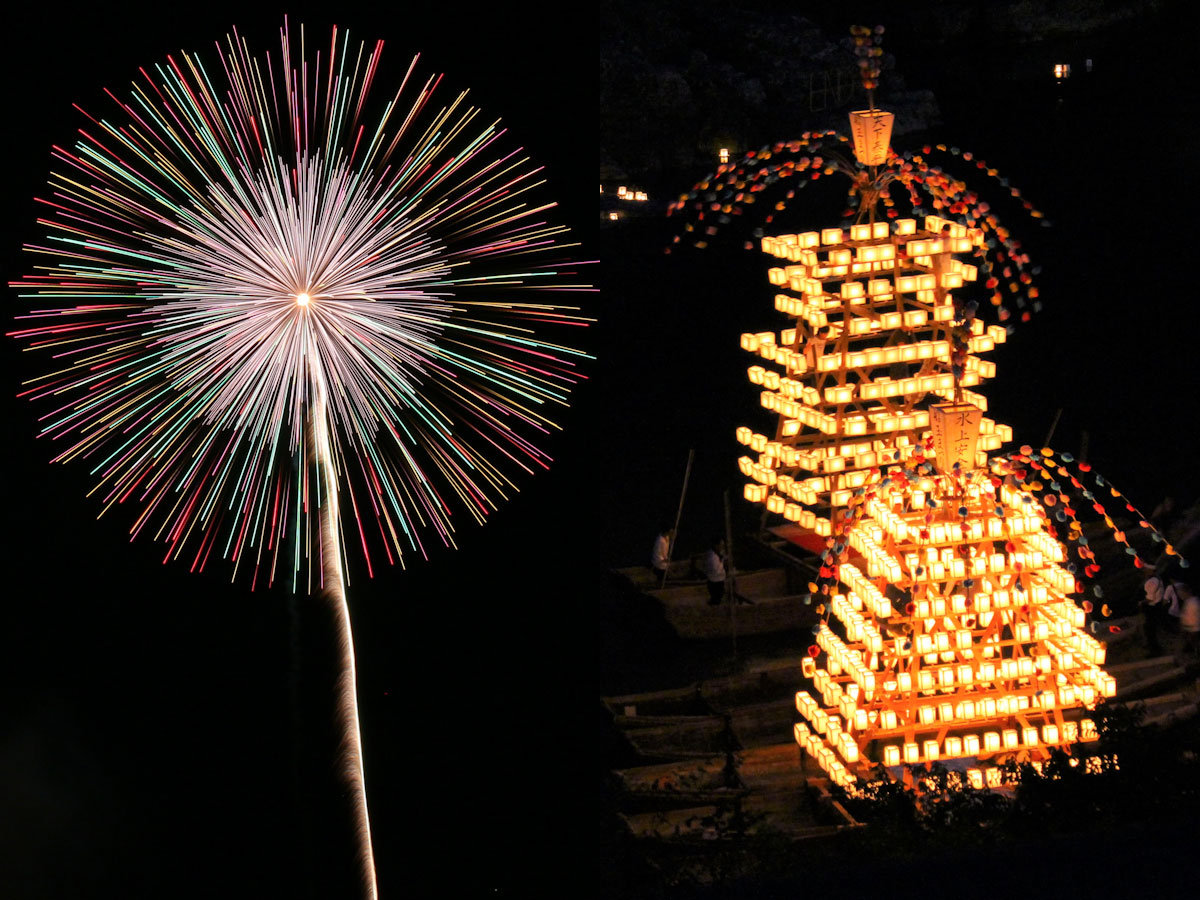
[948, 629]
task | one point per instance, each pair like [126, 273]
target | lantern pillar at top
[872, 133]
[955, 428]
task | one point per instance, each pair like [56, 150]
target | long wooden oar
[687, 474]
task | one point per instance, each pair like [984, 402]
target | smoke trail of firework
[335, 593]
[248, 281]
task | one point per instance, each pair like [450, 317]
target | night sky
[166, 733]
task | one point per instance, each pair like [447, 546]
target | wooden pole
[730, 582]
[687, 474]
[1053, 425]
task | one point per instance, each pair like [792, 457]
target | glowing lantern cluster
[949, 631]
[951, 634]
[871, 340]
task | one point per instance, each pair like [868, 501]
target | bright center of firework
[302, 298]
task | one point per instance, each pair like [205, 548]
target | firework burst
[270, 312]
[230, 238]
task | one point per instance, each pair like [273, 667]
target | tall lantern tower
[948, 629]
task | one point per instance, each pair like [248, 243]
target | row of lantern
[984, 564]
[768, 346]
[857, 317]
[793, 512]
[911, 528]
[843, 659]
[815, 314]
[825, 757]
[765, 345]
[986, 672]
[880, 563]
[789, 387]
[1009, 739]
[797, 411]
[1054, 622]
[982, 341]
[850, 454]
[809, 279]
[859, 629]
[863, 594]
[797, 403]
[1077, 642]
[937, 228]
[1077, 683]
[953, 746]
[990, 777]
[923, 286]
[780, 245]
[934, 608]
[886, 719]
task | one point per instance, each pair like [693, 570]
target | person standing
[1189, 616]
[660, 557]
[1152, 611]
[714, 571]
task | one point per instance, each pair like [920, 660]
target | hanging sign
[955, 435]
[872, 132]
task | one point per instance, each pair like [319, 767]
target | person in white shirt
[660, 557]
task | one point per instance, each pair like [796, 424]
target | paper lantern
[872, 133]
[955, 434]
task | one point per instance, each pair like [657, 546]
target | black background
[168, 734]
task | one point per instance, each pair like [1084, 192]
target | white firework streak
[334, 590]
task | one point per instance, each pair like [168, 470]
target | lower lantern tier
[956, 639]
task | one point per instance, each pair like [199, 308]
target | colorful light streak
[228, 233]
[263, 304]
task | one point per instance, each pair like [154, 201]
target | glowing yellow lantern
[872, 133]
[955, 434]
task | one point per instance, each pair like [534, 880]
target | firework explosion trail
[264, 307]
[335, 593]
